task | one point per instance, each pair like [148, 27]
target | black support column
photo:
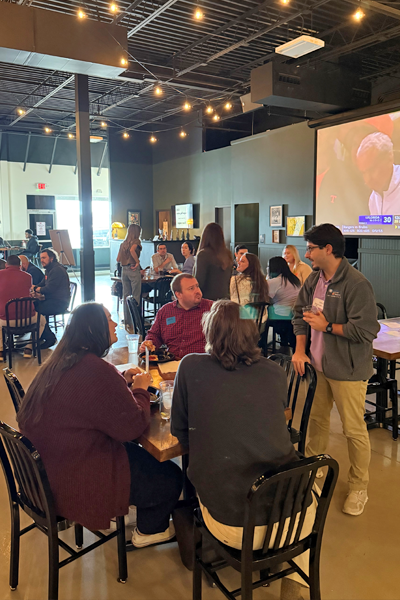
[85, 185]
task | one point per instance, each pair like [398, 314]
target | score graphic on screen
[358, 176]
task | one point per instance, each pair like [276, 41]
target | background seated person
[234, 432]
[81, 414]
[178, 323]
[240, 249]
[296, 265]
[187, 250]
[14, 283]
[249, 285]
[283, 288]
[33, 270]
[32, 246]
[163, 260]
[55, 290]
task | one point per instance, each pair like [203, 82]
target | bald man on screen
[375, 161]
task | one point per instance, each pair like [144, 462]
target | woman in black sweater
[214, 262]
[228, 408]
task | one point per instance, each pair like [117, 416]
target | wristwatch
[329, 328]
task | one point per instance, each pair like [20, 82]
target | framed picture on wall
[134, 217]
[276, 216]
[295, 226]
[275, 236]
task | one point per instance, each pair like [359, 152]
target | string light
[21, 111]
[183, 134]
[198, 14]
[81, 14]
[47, 129]
[124, 62]
[228, 106]
[158, 91]
[358, 15]
[187, 105]
[216, 117]
[113, 8]
[209, 110]
[103, 124]
[153, 139]
[126, 135]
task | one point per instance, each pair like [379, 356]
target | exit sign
[40, 186]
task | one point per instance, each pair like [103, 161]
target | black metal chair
[139, 325]
[382, 312]
[162, 295]
[61, 322]
[298, 436]
[22, 309]
[291, 490]
[14, 387]
[260, 308]
[36, 257]
[29, 490]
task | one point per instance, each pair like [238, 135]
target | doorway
[224, 218]
[247, 226]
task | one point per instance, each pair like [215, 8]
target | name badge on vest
[171, 320]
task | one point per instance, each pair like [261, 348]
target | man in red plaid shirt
[178, 323]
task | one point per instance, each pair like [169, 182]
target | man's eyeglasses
[311, 248]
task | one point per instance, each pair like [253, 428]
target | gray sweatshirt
[350, 302]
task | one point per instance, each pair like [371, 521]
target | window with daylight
[68, 217]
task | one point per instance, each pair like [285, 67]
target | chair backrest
[21, 310]
[162, 291]
[291, 488]
[294, 380]
[382, 312]
[27, 482]
[72, 288]
[137, 320]
[14, 387]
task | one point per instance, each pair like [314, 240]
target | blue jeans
[131, 286]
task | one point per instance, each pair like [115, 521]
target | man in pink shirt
[15, 283]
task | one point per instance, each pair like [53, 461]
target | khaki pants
[12, 323]
[232, 536]
[349, 397]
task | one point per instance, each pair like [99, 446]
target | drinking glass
[133, 342]
[309, 308]
[166, 389]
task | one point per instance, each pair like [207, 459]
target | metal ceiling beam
[223, 28]
[44, 99]
[151, 17]
[28, 143]
[53, 153]
[127, 11]
[102, 159]
[254, 36]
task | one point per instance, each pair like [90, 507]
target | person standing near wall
[128, 256]
[213, 268]
[297, 266]
[336, 337]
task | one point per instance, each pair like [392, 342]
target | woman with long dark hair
[249, 285]
[283, 287]
[81, 414]
[214, 263]
[228, 409]
[128, 256]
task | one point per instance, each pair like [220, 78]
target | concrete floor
[359, 554]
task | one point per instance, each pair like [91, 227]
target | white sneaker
[130, 519]
[355, 502]
[141, 540]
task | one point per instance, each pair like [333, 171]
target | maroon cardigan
[86, 419]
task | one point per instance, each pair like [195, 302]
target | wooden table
[387, 346]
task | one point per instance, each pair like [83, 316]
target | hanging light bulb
[113, 8]
[198, 14]
[216, 117]
[285, 1]
[209, 110]
[103, 124]
[183, 134]
[124, 62]
[21, 111]
[81, 14]
[153, 139]
[187, 105]
[71, 136]
[47, 130]
[358, 15]
[126, 135]
[158, 91]
[228, 106]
